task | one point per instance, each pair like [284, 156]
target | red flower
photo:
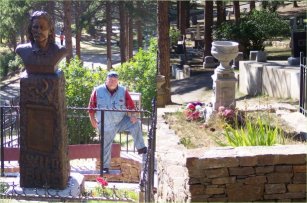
[102, 181]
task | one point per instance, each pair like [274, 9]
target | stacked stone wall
[248, 174]
[225, 174]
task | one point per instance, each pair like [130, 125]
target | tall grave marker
[43, 141]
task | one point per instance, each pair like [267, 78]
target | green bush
[139, 74]
[80, 82]
[5, 59]
[174, 35]
[253, 30]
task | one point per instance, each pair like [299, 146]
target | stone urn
[224, 80]
[224, 52]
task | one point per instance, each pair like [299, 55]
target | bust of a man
[41, 55]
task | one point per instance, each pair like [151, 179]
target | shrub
[174, 35]
[5, 59]
[139, 74]
[80, 82]
[253, 30]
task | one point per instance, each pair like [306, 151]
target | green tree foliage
[9, 62]
[253, 30]
[139, 74]
[13, 17]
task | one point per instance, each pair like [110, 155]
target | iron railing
[10, 138]
[303, 85]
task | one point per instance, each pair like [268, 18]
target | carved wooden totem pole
[43, 141]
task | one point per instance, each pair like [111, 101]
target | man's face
[40, 30]
[112, 83]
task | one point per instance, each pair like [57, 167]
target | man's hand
[133, 118]
[93, 120]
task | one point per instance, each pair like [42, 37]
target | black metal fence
[303, 85]
[78, 118]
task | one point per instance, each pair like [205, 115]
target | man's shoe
[142, 150]
[106, 171]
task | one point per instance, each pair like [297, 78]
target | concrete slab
[75, 187]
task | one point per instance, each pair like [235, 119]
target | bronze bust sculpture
[41, 55]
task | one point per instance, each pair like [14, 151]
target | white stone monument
[224, 81]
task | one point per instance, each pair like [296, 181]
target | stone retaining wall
[248, 174]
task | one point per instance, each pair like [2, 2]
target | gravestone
[44, 159]
[298, 39]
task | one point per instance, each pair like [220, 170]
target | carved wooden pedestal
[43, 141]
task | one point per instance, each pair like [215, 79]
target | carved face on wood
[40, 31]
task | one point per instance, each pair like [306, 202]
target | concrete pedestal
[43, 142]
[224, 84]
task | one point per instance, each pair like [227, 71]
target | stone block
[275, 188]
[253, 55]
[284, 196]
[279, 177]
[255, 180]
[250, 79]
[248, 161]
[244, 193]
[297, 188]
[299, 168]
[197, 189]
[283, 168]
[214, 191]
[299, 178]
[186, 71]
[217, 172]
[241, 171]
[174, 67]
[179, 74]
[219, 162]
[224, 180]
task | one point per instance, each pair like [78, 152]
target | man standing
[111, 95]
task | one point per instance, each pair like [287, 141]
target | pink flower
[102, 181]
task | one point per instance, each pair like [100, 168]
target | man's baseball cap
[112, 74]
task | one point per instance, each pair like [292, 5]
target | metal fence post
[2, 135]
[102, 142]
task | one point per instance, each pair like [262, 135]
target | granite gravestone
[43, 141]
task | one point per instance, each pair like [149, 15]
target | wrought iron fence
[303, 85]
[78, 117]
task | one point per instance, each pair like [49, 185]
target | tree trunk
[130, 35]
[163, 46]
[67, 28]
[236, 9]
[208, 27]
[109, 34]
[182, 16]
[138, 25]
[295, 4]
[252, 5]
[78, 28]
[221, 16]
[122, 36]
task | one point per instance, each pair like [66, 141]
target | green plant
[253, 133]
[253, 30]
[139, 74]
[99, 191]
[174, 35]
[5, 59]
[80, 82]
